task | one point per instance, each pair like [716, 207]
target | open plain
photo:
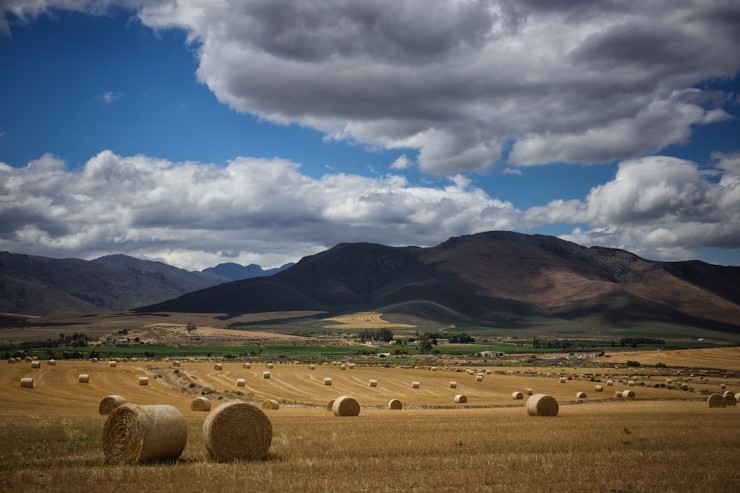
[666, 439]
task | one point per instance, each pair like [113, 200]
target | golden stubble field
[664, 440]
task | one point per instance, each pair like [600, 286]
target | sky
[197, 132]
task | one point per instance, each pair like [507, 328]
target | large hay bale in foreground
[237, 430]
[200, 404]
[395, 404]
[136, 434]
[143, 380]
[109, 403]
[716, 400]
[27, 383]
[517, 395]
[542, 405]
[84, 378]
[460, 399]
[345, 406]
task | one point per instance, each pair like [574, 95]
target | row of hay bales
[726, 399]
[28, 382]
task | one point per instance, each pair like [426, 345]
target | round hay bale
[460, 399]
[109, 403]
[716, 400]
[200, 404]
[630, 383]
[327, 381]
[453, 385]
[269, 365]
[27, 383]
[479, 378]
[112, 364]
[598, 388]
[11, 361]
[270, 404]
[36, 364]
[726, 393]
[563, 380]
[28, 359]
[246, 366]
[528, 391]
[395, 404]
[373, 383]
[415, 385]
[311, 367]
[266, 374]
[329, 405]
[93, 360]
[542, 405]
[218, 366]
[240, 382]
[345, 406]
[136, 434]
[143, 380]
[722, 386]
[176, 363]
[609, 383]
[628, 394]
[237, 430]
[580, 395]
[83, 378]
[517, 395]
[52, 362]
[730, 400]
[618, 394]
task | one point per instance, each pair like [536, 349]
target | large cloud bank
[461, 81]
[195, 215]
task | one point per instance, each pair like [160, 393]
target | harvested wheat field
[664, 439]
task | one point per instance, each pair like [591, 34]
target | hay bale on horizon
[716, 400]
[143, 380]
[581, 395]
[311, 367]
[112, 364]
[11, 361]
[176, 363]
[517, 395]
[453, 385]
[542, 405]
[83, 378]
[373, 383]
[246, 366]
[395, 404]
[345, 406]
[109, 403]
[138, 434]
[200, 404]
[218, 366]
[270, 404]
[270, 366]
[27, 383]
[237, 430]
[628, 394]
[240, 382]
[415, 385]
[327, 381]
[51, 362]
[460, 399]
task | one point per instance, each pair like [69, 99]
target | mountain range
[495, 278]
[34, 285]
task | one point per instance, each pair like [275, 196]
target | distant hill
[494, 278]
[236, 272]
[35, 285]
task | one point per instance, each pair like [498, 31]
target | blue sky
[265, 131]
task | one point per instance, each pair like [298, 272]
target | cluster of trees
[558, 344]
[385, 335]
[636, 341]
[461, 339]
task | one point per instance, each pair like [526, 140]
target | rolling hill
[496, 278]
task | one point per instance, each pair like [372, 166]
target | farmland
[665, 439]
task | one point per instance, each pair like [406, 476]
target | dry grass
[664, 440]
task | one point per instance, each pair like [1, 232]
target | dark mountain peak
[236, 272]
